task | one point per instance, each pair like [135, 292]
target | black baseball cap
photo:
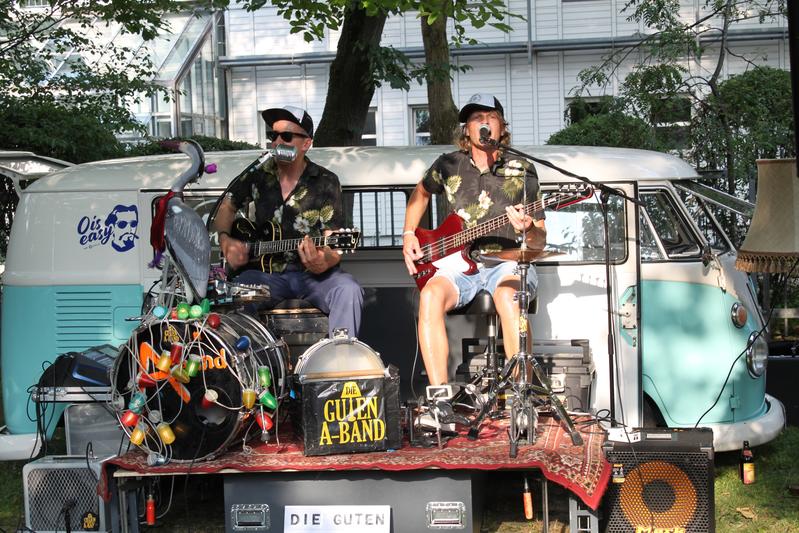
[485, 101]
[297, 115]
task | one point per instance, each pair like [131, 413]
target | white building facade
[532, 69]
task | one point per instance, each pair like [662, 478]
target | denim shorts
[487, 278]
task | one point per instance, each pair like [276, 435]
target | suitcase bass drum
[186, 391]
[339, 358]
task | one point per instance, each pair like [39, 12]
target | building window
[369, 135]
[420, 116]
[580, 108]
[672, 119]
[35, 3]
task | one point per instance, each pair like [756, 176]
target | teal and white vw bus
[685, 322]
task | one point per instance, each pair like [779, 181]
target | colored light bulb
[242, 343]
[159, 311]
[264, 376]
[182, 313]
[209, 399]
[205, 304]
[248, 398]
[145, 381]
[137, 435]
[264, 421]
[129, 419]
[164, 362]
[267, 400]
[137, 402]
[173, 314]
[166, 433]
[179, 373]
[154, 416]
[214, 320]
[195, 311]
[193, 365]
[176, 352]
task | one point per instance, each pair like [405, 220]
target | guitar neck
[456, 240]
[499, 222]
[260, 248]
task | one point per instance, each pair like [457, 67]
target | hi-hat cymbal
[524, 255]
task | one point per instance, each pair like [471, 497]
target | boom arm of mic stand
[598, 186]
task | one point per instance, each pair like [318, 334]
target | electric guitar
[448, 244]
[265, 245]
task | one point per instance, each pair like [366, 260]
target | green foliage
[54, 54]
[672, 67]
[394, 67]
[609, 129]
[756, 107]
[52, 129]
[208, 144]
[312, 18]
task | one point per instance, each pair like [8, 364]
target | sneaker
[428, 422]
[440, 415]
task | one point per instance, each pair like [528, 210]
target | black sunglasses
[287, 136]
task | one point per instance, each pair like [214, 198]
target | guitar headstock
[572, 193]
[344, 240]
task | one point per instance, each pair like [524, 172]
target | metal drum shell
[201, 434]
[339, 358]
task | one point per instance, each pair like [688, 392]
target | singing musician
[303, 200]
[479, 182]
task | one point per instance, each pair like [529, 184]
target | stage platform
[583, 470]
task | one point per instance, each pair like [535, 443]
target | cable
[749, 344]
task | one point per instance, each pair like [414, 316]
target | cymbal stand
[523, 414]
[526, 394]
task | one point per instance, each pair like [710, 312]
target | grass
[773, 505]
[766, 506]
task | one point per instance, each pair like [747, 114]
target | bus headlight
[738, 314]
[756, 355]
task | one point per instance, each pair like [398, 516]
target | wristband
[408, 232]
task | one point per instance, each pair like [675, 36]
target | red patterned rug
[581, 469]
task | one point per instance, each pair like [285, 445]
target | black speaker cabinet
[662, 483]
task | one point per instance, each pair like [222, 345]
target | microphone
[485, 134]
[280, 152]
[285, 152]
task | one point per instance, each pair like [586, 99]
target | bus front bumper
[727, 437]
[18, 447]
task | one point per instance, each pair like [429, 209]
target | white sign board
[337, 518]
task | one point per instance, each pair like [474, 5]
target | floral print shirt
[313, 206]
[479, 196]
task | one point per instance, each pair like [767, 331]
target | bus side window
[380, 214]
[664, 230]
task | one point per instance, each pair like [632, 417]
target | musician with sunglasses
[480, 183]
[302, 200]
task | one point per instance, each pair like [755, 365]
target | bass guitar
[448, 244]
[265, 245]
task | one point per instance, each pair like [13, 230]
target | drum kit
[190, 383]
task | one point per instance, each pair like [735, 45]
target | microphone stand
[605, 193]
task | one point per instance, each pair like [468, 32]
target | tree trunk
[443, 112]
[350, 87]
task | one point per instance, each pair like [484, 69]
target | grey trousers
[335, 293]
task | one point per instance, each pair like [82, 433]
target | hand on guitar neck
[260, 247]
[426, 251]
